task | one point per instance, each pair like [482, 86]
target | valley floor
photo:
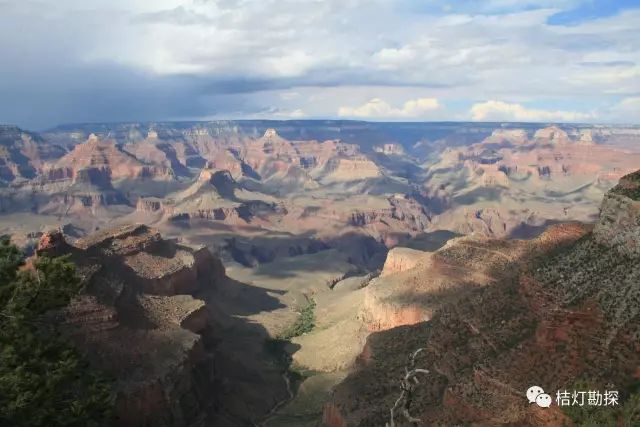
[315, 361]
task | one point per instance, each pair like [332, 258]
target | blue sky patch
[590, 10]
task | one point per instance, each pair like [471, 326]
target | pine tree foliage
[44, 380]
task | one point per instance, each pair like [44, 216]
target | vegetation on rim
[629, 186]
[44, 380]
[626, 414]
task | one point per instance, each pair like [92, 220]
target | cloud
[203, 58]
[625, 111]
[293, 114]
[498, 111]
[379, 109]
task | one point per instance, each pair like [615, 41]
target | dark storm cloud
[42, 96]
[48, 97]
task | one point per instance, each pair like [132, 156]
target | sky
[72, 61]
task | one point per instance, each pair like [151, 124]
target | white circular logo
[533, 392]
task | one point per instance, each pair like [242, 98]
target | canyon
[203, 244]
[567, 313]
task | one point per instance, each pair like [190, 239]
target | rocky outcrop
[552, 134]
[91, 314]
[212, 189]
[507, 136]
[619, 224]
[23, 154]
[106, 157]
[414, 284]
[351, 169]
[149, 204]
[380, 315]
[487, 222]
[160, 153]
[360, 218]
[53, 244]
[402, 213]
[560, 175]
[138, 299]
[89, 187]
[548, 317]
[80, 202]
[402, 259]
[125, 240]
[224, 160]
[216, 214]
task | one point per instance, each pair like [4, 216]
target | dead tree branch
[408, 385]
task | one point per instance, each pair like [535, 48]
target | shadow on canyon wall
[250, 375]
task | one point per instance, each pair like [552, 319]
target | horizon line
[320, 120]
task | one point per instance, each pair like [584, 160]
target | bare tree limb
[407, 386]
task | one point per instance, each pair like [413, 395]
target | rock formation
[414, 284]
[336, 178]
[352, 169]
[105, 157]
[560, 175]
[401, 259]
[137, 319]
[263, 193]
[23, 155]
[149, 204]
[563, 318]
[620, 217]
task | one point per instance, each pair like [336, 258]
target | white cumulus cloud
[378, 108]
[499, 110]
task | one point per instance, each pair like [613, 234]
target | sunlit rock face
[562, 174]
[105, 155]
[389, 182]
[401, 259]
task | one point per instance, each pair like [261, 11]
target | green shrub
[627, 414]
[305, 322]
[630, 187]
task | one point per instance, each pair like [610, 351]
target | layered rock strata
[138, 320]
[565, 316]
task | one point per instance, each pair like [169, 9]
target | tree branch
[407, 386]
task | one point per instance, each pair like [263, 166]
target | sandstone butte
[160, 173]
